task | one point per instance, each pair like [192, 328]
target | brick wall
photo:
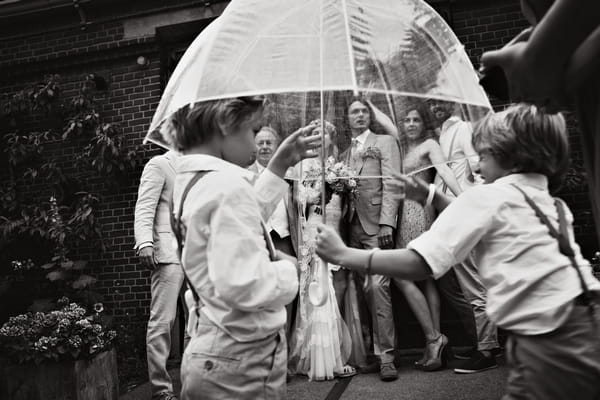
[132, 96]
[106, 48]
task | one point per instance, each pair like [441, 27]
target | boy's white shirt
[225, 255]
[530, 284]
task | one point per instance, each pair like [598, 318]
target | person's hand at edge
[330, 246]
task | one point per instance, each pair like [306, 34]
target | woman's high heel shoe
[419, 363]
[437, 348]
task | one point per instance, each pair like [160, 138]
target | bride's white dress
[320, 344]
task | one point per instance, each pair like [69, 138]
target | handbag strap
[564, 244]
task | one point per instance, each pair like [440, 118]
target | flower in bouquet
[340, 179]
[68, 333]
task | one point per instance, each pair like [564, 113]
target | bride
[320, 343]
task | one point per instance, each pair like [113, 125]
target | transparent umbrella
[309, 57]
[398, 48]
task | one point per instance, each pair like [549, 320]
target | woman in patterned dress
[422, 155]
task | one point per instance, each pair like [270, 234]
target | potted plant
[61, 354]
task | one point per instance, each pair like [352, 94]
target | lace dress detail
[320, 343]
[415, 218]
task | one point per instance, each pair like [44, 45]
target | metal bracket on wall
[83, 22]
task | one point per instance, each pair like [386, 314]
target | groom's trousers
[378, 297]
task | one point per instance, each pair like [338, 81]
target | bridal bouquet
[339, 179]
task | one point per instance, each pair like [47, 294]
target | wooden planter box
[94, 379]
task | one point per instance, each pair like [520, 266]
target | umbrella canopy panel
[396, 48]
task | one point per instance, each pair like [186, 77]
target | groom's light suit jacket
[375, 204]
[152, 220]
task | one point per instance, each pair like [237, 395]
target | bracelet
[430, 195]
[370, 260]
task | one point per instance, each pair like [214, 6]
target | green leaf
[48, 265]
[83, 281]
[56, 275]
[79, 264]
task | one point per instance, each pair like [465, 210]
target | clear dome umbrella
[309, 57]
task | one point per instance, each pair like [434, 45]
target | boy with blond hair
[540, 289]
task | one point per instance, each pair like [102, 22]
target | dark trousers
[561, 365]
[449, 287]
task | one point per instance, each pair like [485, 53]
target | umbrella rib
[350, 51]
[317, 88]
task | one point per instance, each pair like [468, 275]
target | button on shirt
[225, 255]
[530, 284]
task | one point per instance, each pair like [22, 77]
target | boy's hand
[395, 186]
[280, 255]
[296, 147]
[415, 189]
[330, 246]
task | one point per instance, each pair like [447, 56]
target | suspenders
[564, 245]
[176, 227]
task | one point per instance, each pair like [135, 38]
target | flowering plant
[339, 179]
[65, 334]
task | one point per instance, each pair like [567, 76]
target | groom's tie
[353, 163]
[354, 153]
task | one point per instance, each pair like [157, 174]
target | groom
[372, 216]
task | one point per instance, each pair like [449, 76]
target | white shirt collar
[535, 180]
[362, 138]
[259, 167]
[203, 162]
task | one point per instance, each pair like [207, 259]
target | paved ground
[412, 384]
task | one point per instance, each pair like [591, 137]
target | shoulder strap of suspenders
[176, 226]
[562, 236]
